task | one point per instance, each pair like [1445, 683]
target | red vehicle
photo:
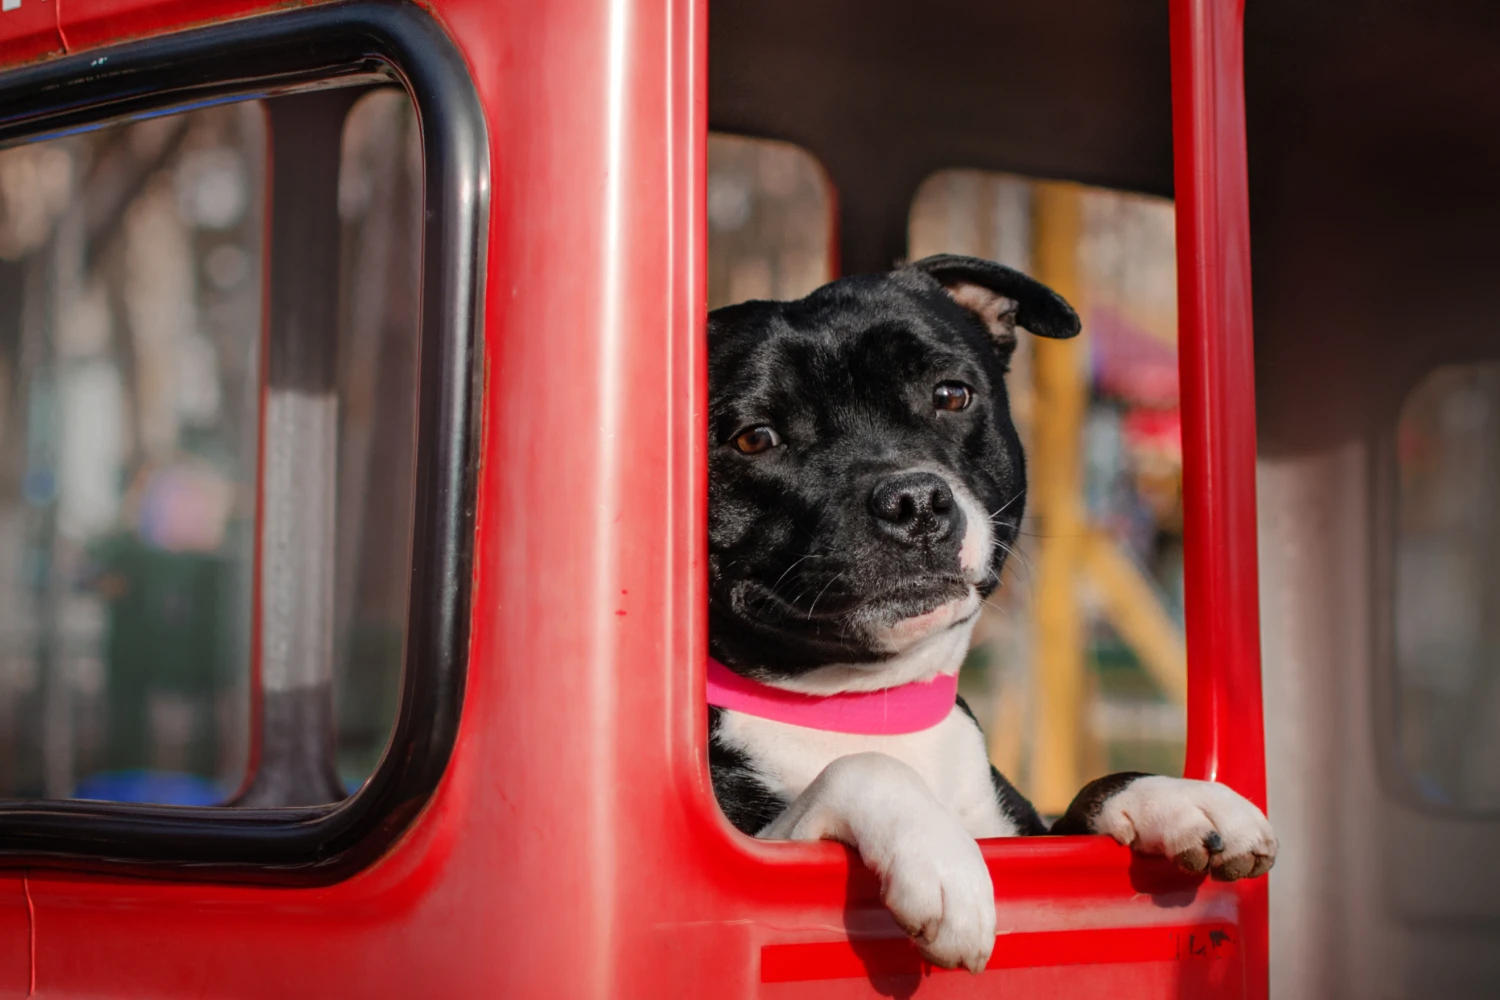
[542, 822]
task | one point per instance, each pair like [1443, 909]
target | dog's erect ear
[1002, 297]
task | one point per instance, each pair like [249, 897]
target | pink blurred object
[1131, 363]
[184, 509]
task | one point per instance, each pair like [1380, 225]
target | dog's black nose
[914, 507]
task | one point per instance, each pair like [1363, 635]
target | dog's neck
[941, 653]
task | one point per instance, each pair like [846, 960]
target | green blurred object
[164, 636]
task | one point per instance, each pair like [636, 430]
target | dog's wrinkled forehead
[870, 339]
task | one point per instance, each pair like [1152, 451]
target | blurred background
[131, 317]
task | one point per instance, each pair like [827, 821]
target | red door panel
[28, 31]
[15, 937]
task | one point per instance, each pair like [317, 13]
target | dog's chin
[896, 629]
[913, 647]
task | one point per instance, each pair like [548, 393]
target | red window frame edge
[1226, 724]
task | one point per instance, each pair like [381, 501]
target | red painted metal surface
[574, 848]
[1226, 732]
[15, 936]
[29, 32]
[791, 963]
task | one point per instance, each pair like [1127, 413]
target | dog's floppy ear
[1002, 297]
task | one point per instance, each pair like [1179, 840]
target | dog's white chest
[950, 758]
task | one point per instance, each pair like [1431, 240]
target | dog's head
[865, 479]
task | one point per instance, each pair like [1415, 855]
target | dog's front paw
[932, 877]
[1199, 824]
[935, 883]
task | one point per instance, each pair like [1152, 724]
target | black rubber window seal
[367, 41]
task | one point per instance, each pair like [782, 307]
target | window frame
[266, 56]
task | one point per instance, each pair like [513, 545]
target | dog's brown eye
[951, 396]
[754, 440]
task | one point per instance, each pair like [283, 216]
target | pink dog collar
[909, 708]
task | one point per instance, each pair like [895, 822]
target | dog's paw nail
[1233, 868]
[1214, 842]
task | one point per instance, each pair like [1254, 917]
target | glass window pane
[380, 201]
[132, 290]
[1447, 586]
[130, 260]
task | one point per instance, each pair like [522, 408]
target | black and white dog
[865, 485]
